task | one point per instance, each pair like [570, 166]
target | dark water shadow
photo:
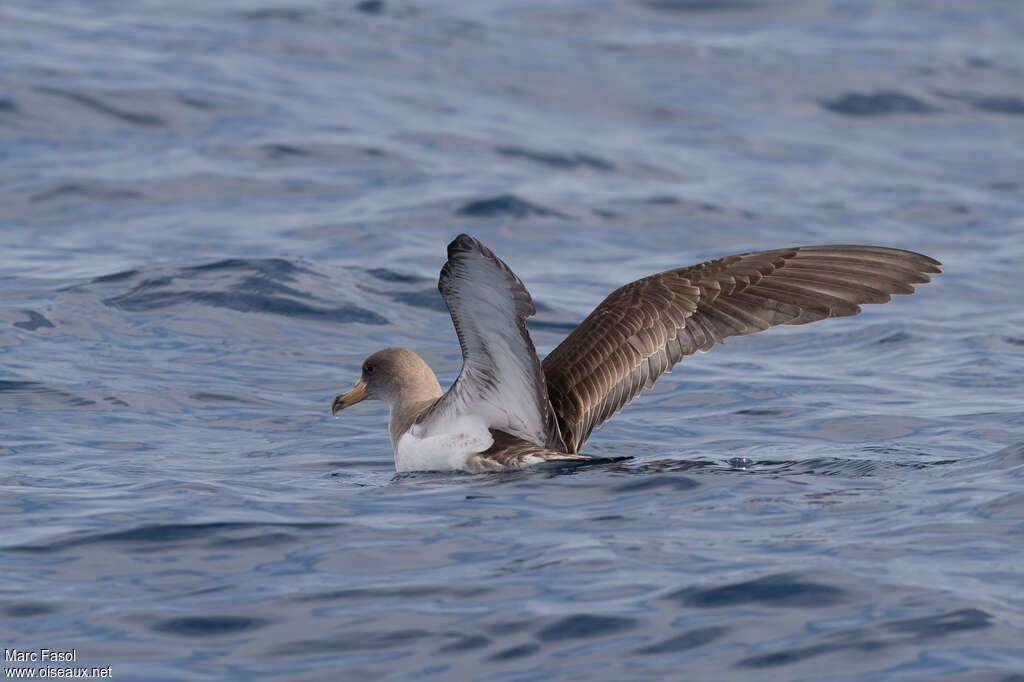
[203, 627]
[1007, 105]
[270, 286]
[505, 206]
[27, 609]
[786, 589]
[369, 640]
[882, 103]
[38, 394]
[161, 537]
[557, 161]
[585, 626]
[35, 321]
[97, 104]
[691, 639]
[701, 6]
[885, 635]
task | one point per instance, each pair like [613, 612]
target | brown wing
[645, 327]
[509, 453]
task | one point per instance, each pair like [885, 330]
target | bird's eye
[367, 368]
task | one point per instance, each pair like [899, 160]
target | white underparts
[445, 446]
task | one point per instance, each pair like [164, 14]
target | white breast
[444, 447]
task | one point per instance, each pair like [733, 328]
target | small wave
[244, 303]
[513, 653]
[1010, 105]
[891, 633]
[505, 205]
[559, 161]
[463, 643]
[87, 190]
[373, 640]
[310, 16]
[162, 535]
[784, 589]
[38, 394]
[883, 103]
[27, 609]
[429, 299]
[393, 276]
[700, 5]
[373, 594]
[209, 626]
[277, 268]
[98, 105]
[370, 6]
[671, 482]
[585, 626]
[272, 286]
[292, 152]
[691, 639]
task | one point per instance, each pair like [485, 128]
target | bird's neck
[408, 406]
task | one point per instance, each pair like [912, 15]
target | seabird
[509, 410]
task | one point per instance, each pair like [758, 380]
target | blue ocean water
[211, 212]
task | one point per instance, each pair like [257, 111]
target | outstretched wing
[501, 380]
[644, 328]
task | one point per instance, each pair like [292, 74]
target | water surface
[212, 212]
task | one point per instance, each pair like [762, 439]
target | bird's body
[449, 446]
[508, 410]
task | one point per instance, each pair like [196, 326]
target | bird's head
[387, 375]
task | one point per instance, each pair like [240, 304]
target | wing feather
[501, 379]
[644, 328]
[509, 453]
